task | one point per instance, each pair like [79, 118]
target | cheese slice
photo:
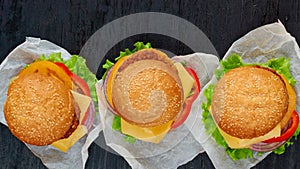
[186, 79]
[234, 142]
[151, 134]
[65, 144]
[83, 102]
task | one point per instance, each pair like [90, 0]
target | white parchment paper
[22, 55]
[179, 146]
[259, 45]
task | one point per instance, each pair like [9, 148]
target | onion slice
[110, 108]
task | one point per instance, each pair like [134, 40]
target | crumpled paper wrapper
[22, 55]
[179, 146]
[264, 43]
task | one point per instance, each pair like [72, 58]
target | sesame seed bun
[249, 101]
[147, 90]
[39, 109]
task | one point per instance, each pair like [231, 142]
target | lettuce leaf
[77, 65]
[280, 65]
[138, 46]
[116, 125]
[232, 62]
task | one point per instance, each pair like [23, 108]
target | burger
[149, 93]
[252, 107]
[49, 104]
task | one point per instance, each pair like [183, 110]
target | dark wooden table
[70, 24]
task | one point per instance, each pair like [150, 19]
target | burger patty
[249, 101]
[147, 54]
[39, 109]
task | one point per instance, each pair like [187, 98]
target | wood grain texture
[70, 23]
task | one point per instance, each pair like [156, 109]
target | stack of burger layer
[146, 90]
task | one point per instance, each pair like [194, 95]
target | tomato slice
[64, 67]
[189, 101]
[194, 75]
[289, 132]
[81, 83]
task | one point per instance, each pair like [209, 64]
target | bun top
[147, 90]
[249, 101]
[39, 109]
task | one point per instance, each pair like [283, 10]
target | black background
[69, 24]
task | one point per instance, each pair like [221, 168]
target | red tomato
[289, 132]
[81, 84]
[64, 67]
[189, 101]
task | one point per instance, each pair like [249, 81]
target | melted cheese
[152, 134]
[234, 142]
[186, 79]
[83, 104]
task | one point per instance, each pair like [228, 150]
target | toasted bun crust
[39, 109]
[249, 101]
[147, 90]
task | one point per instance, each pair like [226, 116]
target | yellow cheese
[152, 134]
[186, 79]
[65, 144]
[234, 142]
[83, 102]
